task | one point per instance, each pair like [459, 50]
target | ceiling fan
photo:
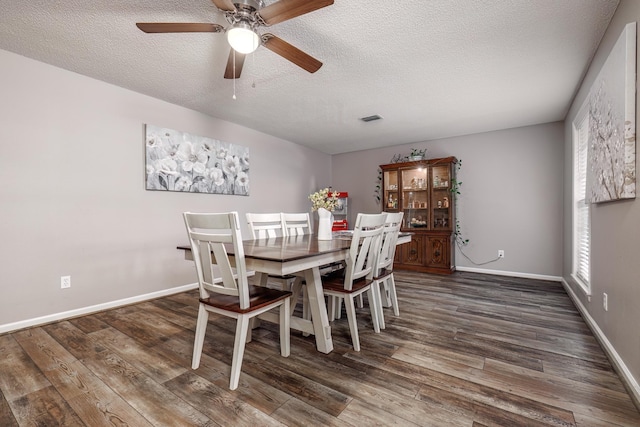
[245, 17]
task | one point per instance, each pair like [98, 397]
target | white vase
[324, 224]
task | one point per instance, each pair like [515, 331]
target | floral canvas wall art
[179, 161]
[611, 174]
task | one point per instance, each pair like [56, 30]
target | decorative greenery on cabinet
[455, 192]
[415, 154]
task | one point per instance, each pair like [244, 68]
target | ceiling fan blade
[226, 5]
[172, 27]
[229, 71]
[291, 53]
[287, 9]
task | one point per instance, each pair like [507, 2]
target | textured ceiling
[430, 68]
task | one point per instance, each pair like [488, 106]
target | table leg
[321, 327]
[260, 279]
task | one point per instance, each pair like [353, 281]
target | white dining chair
[299, 224]
[229, 294]
[383, 277]
[296, 224]
[265, 225]
[268, 226]
[357, 276]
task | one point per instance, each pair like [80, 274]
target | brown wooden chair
[226, 291]
[357, 276]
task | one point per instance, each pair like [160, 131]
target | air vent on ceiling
[371, 118]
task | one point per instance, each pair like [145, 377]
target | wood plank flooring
[467, 350]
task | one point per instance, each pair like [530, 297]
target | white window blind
[581, 217]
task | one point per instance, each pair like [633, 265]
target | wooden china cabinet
[422, 190]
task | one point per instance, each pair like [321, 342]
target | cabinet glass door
[415, 202]
[390, 194]
[440, 197]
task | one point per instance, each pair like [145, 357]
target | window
[581, 214]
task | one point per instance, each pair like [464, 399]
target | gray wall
[72, 199]
[615, 228]
[72, 191]
[511, 194]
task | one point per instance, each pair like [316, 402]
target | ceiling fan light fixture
[243, 38]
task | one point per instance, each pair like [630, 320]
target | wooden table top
[285, 249]
[292, 248]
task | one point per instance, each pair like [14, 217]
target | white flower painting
[179, 161]
[612, 124]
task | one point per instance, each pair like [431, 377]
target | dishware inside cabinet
[441, 197]
[390, 193]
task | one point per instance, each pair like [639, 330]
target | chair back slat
[265, 225]
[389, 240]
[365, 248]
[208, 235]
[296, 224]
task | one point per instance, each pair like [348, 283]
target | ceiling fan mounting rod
[235, 18]
[245, 12]
[248, 4]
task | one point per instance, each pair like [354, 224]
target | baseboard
[510, 273]
[9, 327]
[627, 378]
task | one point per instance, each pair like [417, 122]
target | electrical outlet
[605, 301]
[65, 282]
[500, 253]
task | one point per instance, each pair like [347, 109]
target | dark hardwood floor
[467, 350]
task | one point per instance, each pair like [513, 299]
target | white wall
[72, 191]
[615, 228]
[511, 194]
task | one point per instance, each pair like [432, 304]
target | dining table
[300, 256]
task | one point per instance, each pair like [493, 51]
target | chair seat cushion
[259, 297]
[385, 272]
[334, 282]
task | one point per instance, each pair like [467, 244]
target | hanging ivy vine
[378, 190]
[455, 191]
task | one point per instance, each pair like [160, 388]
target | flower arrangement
[324, 198]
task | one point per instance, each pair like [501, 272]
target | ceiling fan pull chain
[234, 73]
[253, 60]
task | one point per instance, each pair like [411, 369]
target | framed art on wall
[611, 172]
[179, 161]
